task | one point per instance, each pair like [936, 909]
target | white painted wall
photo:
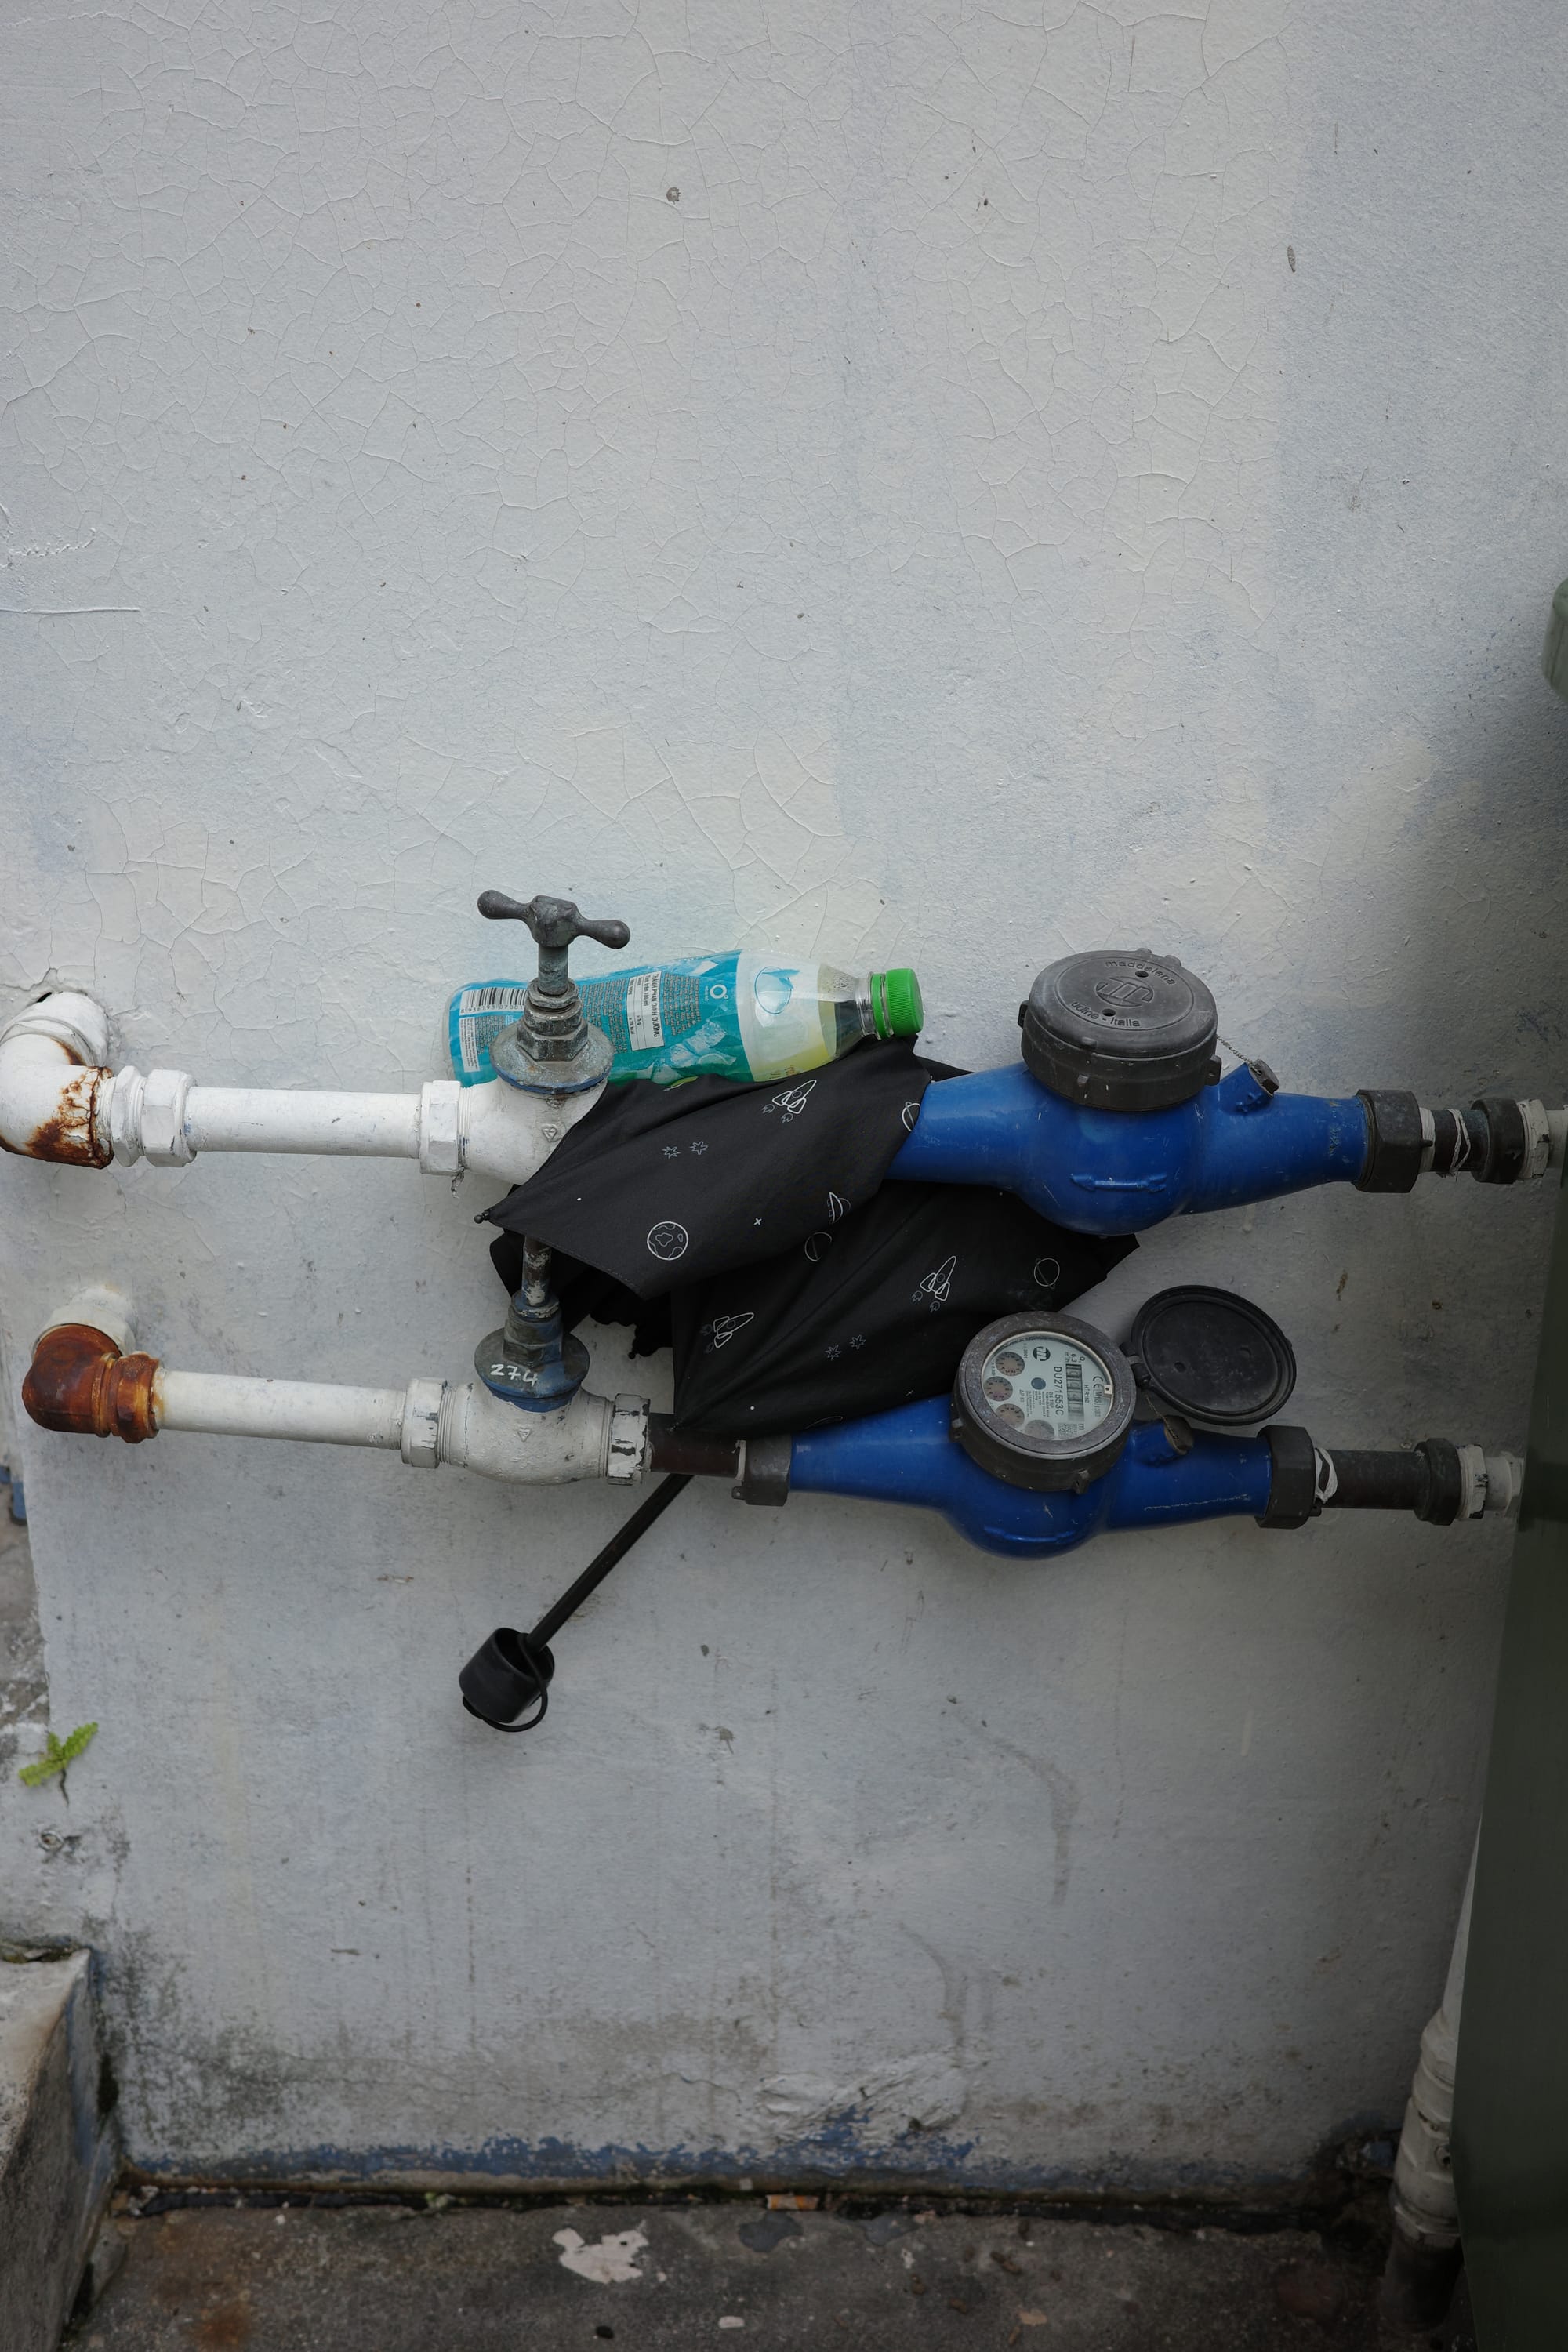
[956, 529]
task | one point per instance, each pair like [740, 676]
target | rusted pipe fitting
[80, 1381]
[69, 1132]
[54, 1085]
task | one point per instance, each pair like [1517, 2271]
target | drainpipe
[1425, 2257]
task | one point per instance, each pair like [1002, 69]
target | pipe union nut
[440, 1144]
[629, 1438]
[164, 1137]
[1475, 1481]
[1537, 1140]
[422, 1423]
[123, 1110]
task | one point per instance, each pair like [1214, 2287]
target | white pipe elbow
[53, 1081]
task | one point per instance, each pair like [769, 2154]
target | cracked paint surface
[863, 480]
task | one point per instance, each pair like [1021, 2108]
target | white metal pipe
[257, 1118]
[224, 1405]
[428, 1422]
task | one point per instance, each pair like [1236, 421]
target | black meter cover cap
[1121, 1029]
[1018, 1449]
[1212, 1357]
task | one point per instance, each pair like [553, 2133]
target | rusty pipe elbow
[80, 1381]
[51, 1099]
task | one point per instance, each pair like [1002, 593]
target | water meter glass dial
[1043, 1401]
[1063, 1387]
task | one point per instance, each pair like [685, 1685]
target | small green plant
[57, 1756]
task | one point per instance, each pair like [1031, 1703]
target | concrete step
[58, 2151]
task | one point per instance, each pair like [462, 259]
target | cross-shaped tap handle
[555, 922]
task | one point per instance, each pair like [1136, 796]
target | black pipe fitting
[1426, 1480]
[1396, 1144]
[1489, 1142]
[764, 1471]
[1506, 1143]
[1460, 1139]
[688, 1451]
[1379, 1481]
[1293, 1479]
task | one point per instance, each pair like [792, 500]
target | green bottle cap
[896, 1005]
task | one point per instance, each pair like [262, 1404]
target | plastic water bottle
[728, 1016]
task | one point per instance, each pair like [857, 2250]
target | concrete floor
[652, 2278]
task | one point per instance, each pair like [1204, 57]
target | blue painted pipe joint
[1105, 1172]
[908, 1457]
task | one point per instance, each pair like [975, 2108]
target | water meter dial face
[1043, 1401]
[1059, 1385]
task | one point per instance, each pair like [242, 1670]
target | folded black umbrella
[662, 1186]
[877, 1313]
[868, 1294]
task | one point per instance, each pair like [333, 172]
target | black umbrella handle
[510, 1672]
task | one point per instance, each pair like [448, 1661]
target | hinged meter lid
[1211, 1355]
[1121, 1029]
